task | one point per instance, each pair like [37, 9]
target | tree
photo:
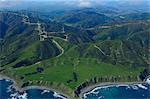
[75, 76]
[39, 69]
[144, 74]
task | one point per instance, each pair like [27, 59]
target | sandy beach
[91, 87]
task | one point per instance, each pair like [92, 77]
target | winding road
[100, 50]
[62, 50]
[42, 33]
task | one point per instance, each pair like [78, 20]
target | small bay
[7, 91]
[122, 91]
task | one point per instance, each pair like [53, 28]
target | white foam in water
[128, 87]
[55, 94]
[58, 96]
[9, 88]
[94, 91]
[85, 96]
[18, 96]
[45, 91]
[13, 95]
[148, 81]
[13, 98]
[134, 87]
[122, 85]
[100, 97]
[142, 86]
[8, 80]
[24, 96]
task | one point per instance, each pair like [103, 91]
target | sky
[79, 3]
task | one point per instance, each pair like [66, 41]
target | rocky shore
[91, 87]
[18, 88]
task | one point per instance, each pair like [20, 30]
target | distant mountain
[137, 16]
[85, 19]
[88, 18]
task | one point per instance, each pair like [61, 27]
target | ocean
[122, 91]
[135, 91]
[7, 91]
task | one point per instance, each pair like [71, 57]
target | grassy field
[60, 69]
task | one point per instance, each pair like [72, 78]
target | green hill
[118, 53]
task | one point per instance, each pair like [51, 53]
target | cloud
[84, 3]
[8, 3]
[79, 3]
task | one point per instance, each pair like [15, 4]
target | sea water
[122, 91]
[7, 91]
[134, 91]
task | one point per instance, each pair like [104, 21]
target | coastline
[45, 88]
[91, 87]
[18, 88]
[15, 85]
[83, 91]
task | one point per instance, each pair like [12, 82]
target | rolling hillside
[68, 56]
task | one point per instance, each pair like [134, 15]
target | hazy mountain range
[53, 5]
